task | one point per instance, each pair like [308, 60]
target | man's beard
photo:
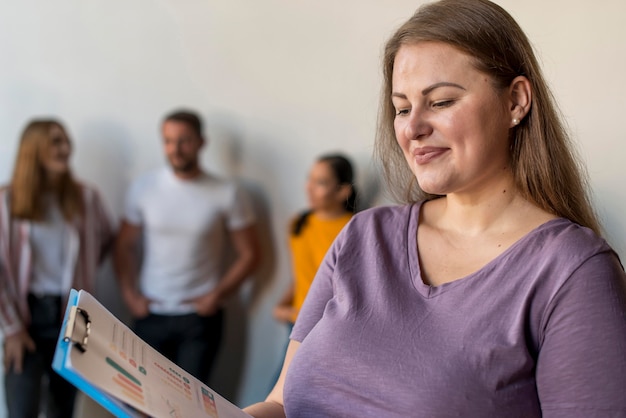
[185, 166]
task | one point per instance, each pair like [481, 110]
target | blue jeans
[23, 391]
[191, 341]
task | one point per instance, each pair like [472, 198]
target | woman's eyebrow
[430, 89]
[441, 84]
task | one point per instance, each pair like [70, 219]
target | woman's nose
[66, 147]
[418, 125]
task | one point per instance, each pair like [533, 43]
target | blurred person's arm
[284, 310]
[246, 245]
[127, 262]
[16, 339]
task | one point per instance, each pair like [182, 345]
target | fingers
[134, 298]
[203, 310]
[14, 356]
[29, 344]
[140, 309]
[137, 304]
[18, 361]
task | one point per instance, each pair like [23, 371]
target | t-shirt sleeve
[132, 208]
[241, 213]
[320, 292]
[581, 366]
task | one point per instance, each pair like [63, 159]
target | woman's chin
[432, 188]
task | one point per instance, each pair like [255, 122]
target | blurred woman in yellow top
[331, 196]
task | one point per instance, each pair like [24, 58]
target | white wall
[278, 83]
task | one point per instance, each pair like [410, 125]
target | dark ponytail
[299, 223]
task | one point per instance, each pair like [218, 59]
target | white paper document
[105, 359]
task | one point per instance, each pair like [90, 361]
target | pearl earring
[515, 121]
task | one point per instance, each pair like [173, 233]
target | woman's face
[323, 189]
[451, 123]
[55, 156]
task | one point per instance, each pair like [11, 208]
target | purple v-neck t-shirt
[538, 331]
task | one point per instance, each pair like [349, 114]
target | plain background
[278, 82]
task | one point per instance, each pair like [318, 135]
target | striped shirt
[90, 237]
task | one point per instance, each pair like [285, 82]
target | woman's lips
[427, 154]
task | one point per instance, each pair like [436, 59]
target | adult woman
[492, 294]
[332, 199]
[331, 196]
[53, 233]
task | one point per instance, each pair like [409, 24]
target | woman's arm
[581, 366]
[273, 406]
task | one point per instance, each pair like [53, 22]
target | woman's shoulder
[383, 221]
[386, 213]
[89, 192]
[86, 188]
[567, 237]
[565, 246]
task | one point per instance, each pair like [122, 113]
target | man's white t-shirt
[185, 234]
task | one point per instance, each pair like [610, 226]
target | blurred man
[172, 257]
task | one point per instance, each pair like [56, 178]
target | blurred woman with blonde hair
[54, 231]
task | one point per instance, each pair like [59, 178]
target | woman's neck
[52, 184]
[332, 213]
[505, 211]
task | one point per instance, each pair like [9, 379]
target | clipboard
[107, 361]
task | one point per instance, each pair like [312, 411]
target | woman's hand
[284, 310]
[14, 348]
[284, 313]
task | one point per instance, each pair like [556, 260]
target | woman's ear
[520, 96]
[345, 190]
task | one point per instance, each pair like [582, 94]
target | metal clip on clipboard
[73, 327]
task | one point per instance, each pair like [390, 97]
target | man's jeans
[191, 341]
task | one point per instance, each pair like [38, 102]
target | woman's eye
[442, 103]
[400, 112]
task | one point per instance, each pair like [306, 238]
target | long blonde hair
[546, 169]
[29, 177]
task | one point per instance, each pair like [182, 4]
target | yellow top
[308, 250]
